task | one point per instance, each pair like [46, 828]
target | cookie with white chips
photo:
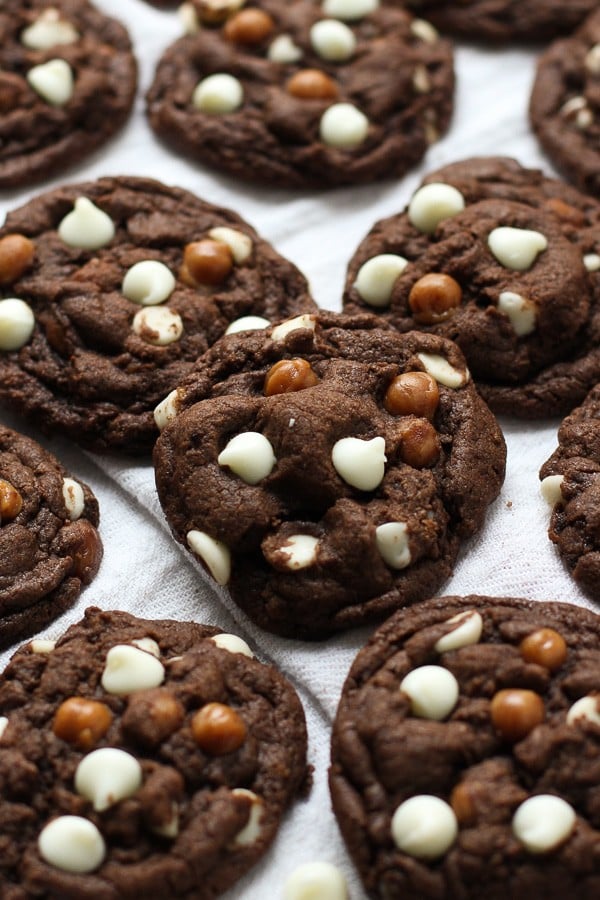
[49, 544]
[464, 752]
[307, 93]
[327, 470]
[111, 289]
[142, 758]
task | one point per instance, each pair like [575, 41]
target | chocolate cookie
[49, 546]
[464, 753]
[565, 104]
[142, 758]
[305, 93]
[514, 283]
[327, 470]
[67, 83]
[116, 286]
[571, 483]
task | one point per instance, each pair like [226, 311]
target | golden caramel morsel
[11, 502]
[461, 801]
[206, 262]
[565, 212]
[214, 12]
[545, 647]
[289, 375]
[434, 297]
[515, 712]
[81, 722]
[85, 548]
[218, 729]
[16, 254]
[312, 84]
[412, 394]
[249, 26]
[419, 444]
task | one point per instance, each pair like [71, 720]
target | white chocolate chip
[86, 226]
[343, 126]
[349, 10]
[106, 776]
[543, 822]
[252, 829]
[468, 631]
[42, 646]
[233, 644]
[440, 369]
[433, 691]
[573, 106]
[361, 463]
[49, 30]
[72, 844]
[332, 40]
[421, 80]
[247, 323]
[129, 669]
[284, 50]
[520, 311]
[550, 488]
[516, 248]
[592, 262]
[171, 828]
[166, 410]
[376, 278]
[189, 18]
[299, 551]
[584, 118]
[433, 203]
[74, 498]
[592, 60]
[158, 325]
[249, 455]
[392, 543]
[147, 644]
[304, 321]
[424, 30]
[239, 243]
[53, 81]
[315, 881]
[148, 282]
[585, 708]
[16, 323]
[3, 724]
[218, 94]
[424, 827]
[214, 554]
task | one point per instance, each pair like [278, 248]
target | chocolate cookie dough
[565, 104]
[516, 284]
[68, 79]
[304, 93]
[113, 288]
[327, 470]
[464, 753]
[49, 545]
[142, 758]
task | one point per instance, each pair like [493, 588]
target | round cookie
[112, 289]
[571, 484]
[68, 79]
[327, 470]
[464, 752]
[304, 93]
[142, 758]
[565, 104]
[49, 545]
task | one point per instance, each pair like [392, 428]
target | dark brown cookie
[67, 83]
[305, 93]
[571, 483]
[565, 104]
[464, 753]
[49, 546]
[327, 471]
[142, 758]
[121, 283]
[515, 284]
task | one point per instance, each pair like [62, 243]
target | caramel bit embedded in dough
[545, 647]
[412, 393]
[16, 254]
[434, 297]
[82, 543]
[565, 212]
[289, 375]
[312, 84]
[249, 26]
[461, 801]
[11, 502]
[516, 712]
[419, 444]
[206, 262]
[81, 722]
[218, 729]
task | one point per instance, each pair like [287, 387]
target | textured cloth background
[145, 572]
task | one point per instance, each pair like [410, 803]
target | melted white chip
[86, 226]
[424, 827]
[3, 724]
[551, 489]
[188, 18]
[147, 644]
[433, 692]
[592, 261]
[49, 30]
[284, 50]
[233, 644]
[158, 325]
[218, 94]
[516, 248]
[106, 776]
[16, 323]
[520, 311]
[585, 708]
[53, 81]
[300, 551]
[376, 278]
[343, 126]
[306, 320]
[74, 498]
[424, 30]
[239, 243]
[148, 282]
[249, 455]
[166, 410]
[214, 554]
[42, 645]
[432, 204]
[468, 631]
[592, 60]
[315, 881]
[361, 463]
[543, 822]
[332, 40]
[392, 543]
[349, 10]
[252, 829]
[247, 323]
[129, 669]
[440, 369]
[72, 844]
